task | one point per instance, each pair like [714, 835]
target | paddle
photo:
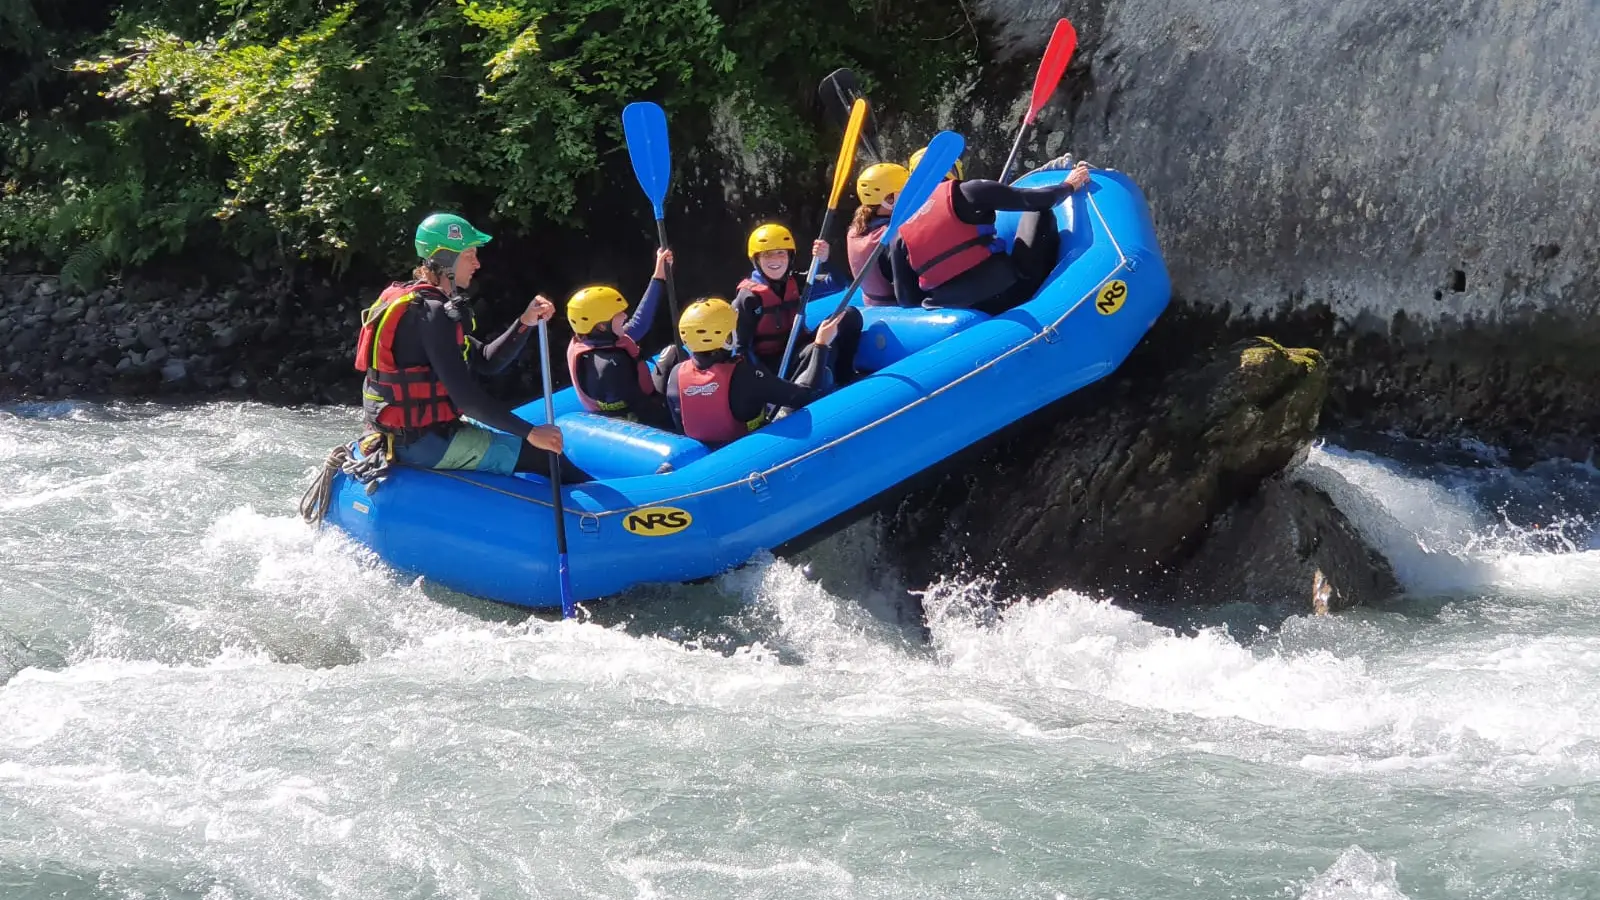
[1063, 41]
[644, 127]
[936, 162]
[568, 607]
[841, 177]
[838, 92]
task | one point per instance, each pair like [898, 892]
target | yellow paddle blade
[847, 152]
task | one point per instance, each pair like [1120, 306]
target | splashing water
[203, 698]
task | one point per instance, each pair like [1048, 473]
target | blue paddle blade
[943, 151]
[644, 126]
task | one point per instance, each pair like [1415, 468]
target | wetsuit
[607, 372]
[765, 351]
[1003, 280]
[751, 390]
[426, 336]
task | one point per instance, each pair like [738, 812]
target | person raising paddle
[608, 370]
[948, 254]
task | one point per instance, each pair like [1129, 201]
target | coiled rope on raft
[315, 501]
[371, 466]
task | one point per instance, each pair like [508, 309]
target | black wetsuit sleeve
[493, 357]
[747, 305]
[674, 405]
[752, 390]
[444, 356]
[907, 292]
[886, 264]
[645, 316]
[989, 195]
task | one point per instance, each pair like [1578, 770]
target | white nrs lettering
[701, 390]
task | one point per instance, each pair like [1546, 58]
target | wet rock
[26, 341]
[174, 370]
[1115, 489]
[1290, 547]
[149, 336]
[68, 314]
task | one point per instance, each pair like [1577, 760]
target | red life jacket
[777, 315]
[578, 349]
[703, 398]
[940, 245]
[398, 400]
[876, 287]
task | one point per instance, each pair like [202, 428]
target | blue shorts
[469, 447]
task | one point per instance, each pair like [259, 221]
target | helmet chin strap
[446, 273]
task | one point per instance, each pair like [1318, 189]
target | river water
[200, 697]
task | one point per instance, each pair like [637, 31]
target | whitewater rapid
[202, 697]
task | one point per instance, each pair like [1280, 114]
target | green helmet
[443, 231]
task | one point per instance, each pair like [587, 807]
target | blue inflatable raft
[664, 509]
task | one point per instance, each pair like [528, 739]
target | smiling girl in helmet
[717, 397]
[608, 370]
[768, 303]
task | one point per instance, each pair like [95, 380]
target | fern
[84, 267]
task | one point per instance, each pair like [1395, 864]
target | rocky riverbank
[153, 339]
[255, 338]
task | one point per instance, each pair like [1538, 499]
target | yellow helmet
[708, 325]
[879, 181]
[769, 237]
[594, 306]
[956, 171]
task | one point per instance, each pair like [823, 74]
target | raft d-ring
[757, 482]
[589, 523]
[1131, 264]
[1050, 334]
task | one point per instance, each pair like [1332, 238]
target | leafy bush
[320, 130]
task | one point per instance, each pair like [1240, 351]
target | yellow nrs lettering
[656, 521]
[1111, 297]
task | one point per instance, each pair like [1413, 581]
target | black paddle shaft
[672, 291]
[838, 92]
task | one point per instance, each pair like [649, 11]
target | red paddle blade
[1063, 41]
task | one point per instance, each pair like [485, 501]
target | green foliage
[324, 129]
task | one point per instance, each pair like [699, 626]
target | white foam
[1356, 875]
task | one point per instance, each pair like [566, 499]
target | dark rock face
[1411, 186]
[1436, 158]
[1117, 488]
